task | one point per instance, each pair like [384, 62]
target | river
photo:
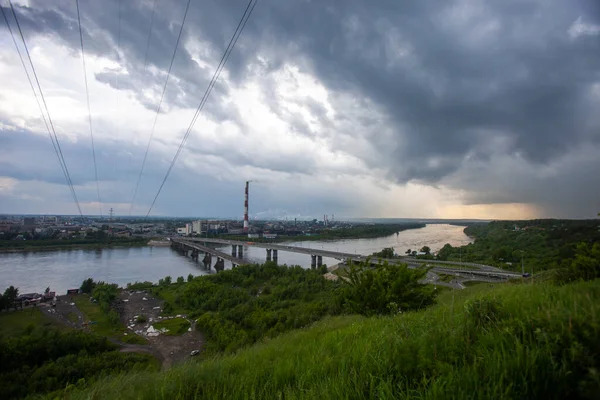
[65, 269]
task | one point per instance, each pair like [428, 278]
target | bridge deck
[485, 270]
[214, 252]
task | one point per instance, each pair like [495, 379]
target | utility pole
[110, 214]
[522, 265]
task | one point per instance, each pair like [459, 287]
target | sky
[428, 109]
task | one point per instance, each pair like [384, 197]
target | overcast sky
[443, 109]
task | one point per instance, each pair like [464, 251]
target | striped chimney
[246, 224]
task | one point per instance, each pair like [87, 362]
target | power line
[149, 35]
[215, 77]
[87, 94]
[57, 147]
[37, 100]
[137, 185]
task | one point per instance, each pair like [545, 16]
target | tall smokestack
[246, 223]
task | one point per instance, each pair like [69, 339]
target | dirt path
[172, 349]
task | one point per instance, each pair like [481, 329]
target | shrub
[141, 319]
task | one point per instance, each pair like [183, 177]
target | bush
[371, 290]
[585, 266]
[87, 286]
[141, 319]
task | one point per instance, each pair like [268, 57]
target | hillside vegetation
[542, 244]
[513, 341]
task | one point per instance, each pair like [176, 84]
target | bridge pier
[269, 254]
[207, 260]
[319, 261]
[313, 261]
[275, 256]
[195, 255]
[240, 251]
[220, 264]
[234, 250]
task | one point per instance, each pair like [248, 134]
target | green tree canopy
[386, 288]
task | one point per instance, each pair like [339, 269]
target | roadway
[483, 271]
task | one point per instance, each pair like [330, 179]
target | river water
[65, 269]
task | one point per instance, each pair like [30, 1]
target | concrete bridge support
[275, 256]
[195, 255]
[234, 250]
[313, 261]
[220, 264]
[269, 254]
[319, 261]
[207, 260]
[240, 251]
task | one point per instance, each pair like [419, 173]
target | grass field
[100, 323]
[514, 341]
[13, 323]
[175, 326]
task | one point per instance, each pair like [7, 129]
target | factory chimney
[246, 223]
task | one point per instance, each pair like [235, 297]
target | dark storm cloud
[452, 77]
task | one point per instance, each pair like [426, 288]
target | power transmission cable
[137, 185]
[37, 100]
[149, 35]
[56, 146]
[87, 94]
[215, 77]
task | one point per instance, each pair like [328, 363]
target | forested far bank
[538, 244]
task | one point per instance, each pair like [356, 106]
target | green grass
[175, 326]
[100, 323]
[446, 277]
[168, 293]
[515, 341]
[14, 323]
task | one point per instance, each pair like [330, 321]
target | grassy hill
[509, 341]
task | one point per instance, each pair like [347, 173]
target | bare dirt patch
[172, 349]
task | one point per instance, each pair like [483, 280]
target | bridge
[272, 249]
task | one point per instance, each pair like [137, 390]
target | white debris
[154, 334]
[125, 300]
[124, 333]
[135, 317]
[151, 329]
[72, 304]
[189, 329]
[156, 308]
[143, 298]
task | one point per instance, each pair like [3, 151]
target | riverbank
[17, 248]
[358, 232]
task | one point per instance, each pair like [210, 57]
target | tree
[387, 288]
[87, 286]
[426, 249]
[387, 252]
[409, 252]
[10, 297]
[167, 280]
[47, 290]
[180, 279]
[190, 278]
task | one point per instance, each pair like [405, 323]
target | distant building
[270, 235]
[186, 230]
[28, 222]
[253, 235]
